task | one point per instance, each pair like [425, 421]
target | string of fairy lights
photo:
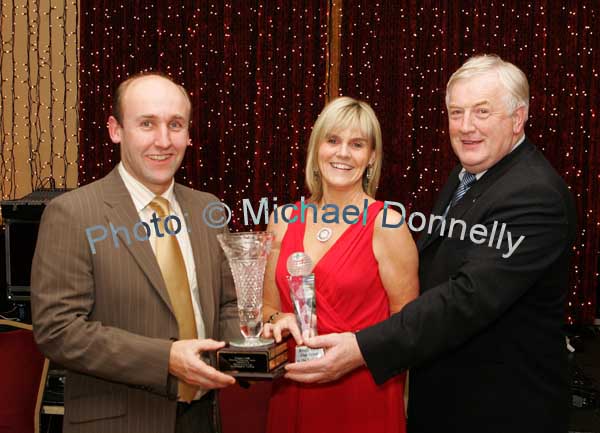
[249, 145]
[38, 95]
[410, 51]
[237, 61]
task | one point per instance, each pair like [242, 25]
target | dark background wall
[259, 76]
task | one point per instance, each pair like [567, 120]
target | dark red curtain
[256, 71]
[398, 55]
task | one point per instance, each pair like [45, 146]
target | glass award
[301, 282]
[250, 356]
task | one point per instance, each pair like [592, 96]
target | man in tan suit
[132, 316]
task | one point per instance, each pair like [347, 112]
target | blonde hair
[510, 76]
[342, 113]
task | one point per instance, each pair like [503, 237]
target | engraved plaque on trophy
[255, 362]
[302, 292]
[251, 356]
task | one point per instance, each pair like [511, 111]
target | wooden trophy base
[254, 363]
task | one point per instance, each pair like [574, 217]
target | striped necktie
[465, 183]
[172, 266]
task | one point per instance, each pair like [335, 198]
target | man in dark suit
[484, 339]
[128, 309]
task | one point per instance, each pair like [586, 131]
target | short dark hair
[117, 106]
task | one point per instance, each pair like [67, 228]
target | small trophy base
[255, 362]
[304, 353]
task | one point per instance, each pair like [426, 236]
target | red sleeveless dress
[350, 296]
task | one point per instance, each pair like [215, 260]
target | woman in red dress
[363, 273]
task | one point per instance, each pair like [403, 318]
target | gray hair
[510, 76]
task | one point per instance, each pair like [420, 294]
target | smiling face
[482, 131]
[154, 131]
[343, 157]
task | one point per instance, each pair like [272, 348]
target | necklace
[324, 234]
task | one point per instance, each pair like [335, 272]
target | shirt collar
[478, 175]
[139, 193]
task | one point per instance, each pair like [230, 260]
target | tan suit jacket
[107, 318]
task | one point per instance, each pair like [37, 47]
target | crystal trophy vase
[247, 255]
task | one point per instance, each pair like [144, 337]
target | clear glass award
[247, 255]
[252, 357]
[301, 281]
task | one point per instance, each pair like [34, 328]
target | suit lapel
[476, 190]
[121, 212]
[199, 242]
[439, 207]
[489, 179]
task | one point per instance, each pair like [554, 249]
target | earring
[369, 172]
[316, 174]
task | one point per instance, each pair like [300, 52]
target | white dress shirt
[142, 197]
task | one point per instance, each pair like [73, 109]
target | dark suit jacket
[485, 336]
[107, 316]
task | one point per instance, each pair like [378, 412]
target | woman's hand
[284, 324]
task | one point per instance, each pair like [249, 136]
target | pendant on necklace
[324, 234]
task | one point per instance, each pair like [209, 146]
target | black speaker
[21, 223]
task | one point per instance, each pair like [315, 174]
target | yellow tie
[172, 266]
